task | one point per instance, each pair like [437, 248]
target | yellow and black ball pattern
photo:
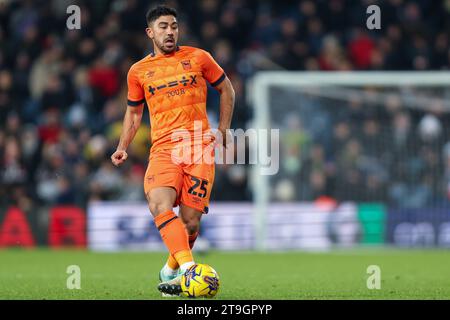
[200, 281]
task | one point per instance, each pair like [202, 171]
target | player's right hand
[224, 137]
[119, 157]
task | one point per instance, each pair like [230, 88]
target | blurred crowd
[63, 92]
[366, 144]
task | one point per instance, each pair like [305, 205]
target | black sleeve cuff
[135, 103]
[219, 81]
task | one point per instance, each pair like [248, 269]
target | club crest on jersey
[149, 74]
[186, 64]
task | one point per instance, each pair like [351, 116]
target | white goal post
[258, 95]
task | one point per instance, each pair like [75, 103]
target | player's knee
[158, 207]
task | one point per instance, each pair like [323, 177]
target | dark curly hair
[158, 11]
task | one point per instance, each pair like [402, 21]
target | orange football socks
[174, 236]
[172, 262]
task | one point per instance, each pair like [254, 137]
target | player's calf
[191, 219]
[192, 226]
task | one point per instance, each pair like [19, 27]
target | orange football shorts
[192, 181]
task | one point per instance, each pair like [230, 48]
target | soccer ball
[200, 281]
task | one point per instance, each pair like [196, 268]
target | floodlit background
[361, 164]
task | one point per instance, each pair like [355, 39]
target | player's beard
[163, 48]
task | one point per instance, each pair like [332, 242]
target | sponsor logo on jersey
[184, 81]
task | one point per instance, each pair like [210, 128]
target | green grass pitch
[405, 274]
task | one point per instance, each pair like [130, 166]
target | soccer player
[173, 81]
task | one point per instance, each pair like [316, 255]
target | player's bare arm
[131, 123]
[227, 98]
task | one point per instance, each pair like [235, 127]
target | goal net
[375, 141]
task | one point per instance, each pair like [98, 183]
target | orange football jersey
[174, 86]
